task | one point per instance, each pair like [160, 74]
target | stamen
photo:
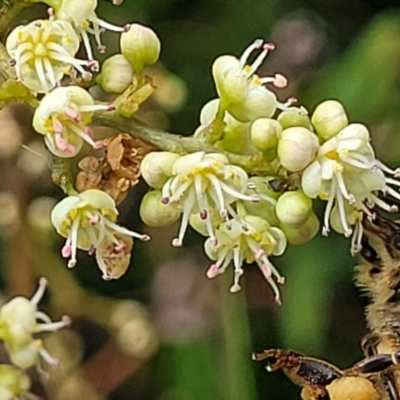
[328, 208]
[256, 45]
[39, 292]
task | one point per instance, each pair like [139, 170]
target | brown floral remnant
[118, 170]
[113, 260]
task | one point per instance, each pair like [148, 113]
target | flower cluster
[44, 54]
[249, 219]
[20, 320]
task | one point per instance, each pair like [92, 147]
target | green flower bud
[264, 133]
[200, 225]
[154, 213]
[293, 208]
[141, 46]
[329, 118]
[156, 168]
[304, 233]
[116, 74]
[265, 208]
[290, 118]
[297, 147]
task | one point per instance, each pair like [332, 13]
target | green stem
[239, 381]
[176, 143]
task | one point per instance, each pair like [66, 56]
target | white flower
[202, 182]
[250, 239]
[42, 52]
[63, 116]
[81, 13]
[19, 320]
[347, 173]
[87, 220]
[241, 91]
[14, 384]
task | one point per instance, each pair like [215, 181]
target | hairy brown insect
[377, 377]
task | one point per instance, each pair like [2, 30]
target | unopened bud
[297, 147]
[141, 46]
[116, 74]
[156, 168]
[290, 118]
[264, 133]
[154, 213]
[304, 233]
[293, 208]
[329, 118]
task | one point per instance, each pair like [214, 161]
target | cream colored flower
[88, 220]
[43, 52]
[63, 116]
[201, 183]
[19, 321]
[250, 239]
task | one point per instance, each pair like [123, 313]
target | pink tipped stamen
[12, 62]
[259, 254]
[39, 292]
[177, 242]
[54, 362]
[66, 251]
[256, 45]
[269, 46]
[165, 200]
[203, 214]
[101, 49]
[91, 250]
[99, 144]
[213, 271]
[280, 81]
[119, 247]
[72, 114]
[71, 263]
[213, 241]
[95, 220]
[235, 288]
[60, 142]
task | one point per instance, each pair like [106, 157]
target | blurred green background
[347, 50]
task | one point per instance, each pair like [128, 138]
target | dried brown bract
[113, 260]
[118, 170]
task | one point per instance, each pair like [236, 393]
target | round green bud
[141, 46]
[303, 233]
[329, 118]
[264, 133]
[293, 208]
[265, 208]
[290, 118]
[116, 74]
[154, 213]
[156, 168]
[297, 147]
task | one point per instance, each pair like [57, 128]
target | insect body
[377, 377]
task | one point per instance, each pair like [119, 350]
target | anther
[280, 81]
[269, 46]
[203, 214]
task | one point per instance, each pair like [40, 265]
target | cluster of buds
[20, 320]
[248, 219]
[43, 53]
[247, 216]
